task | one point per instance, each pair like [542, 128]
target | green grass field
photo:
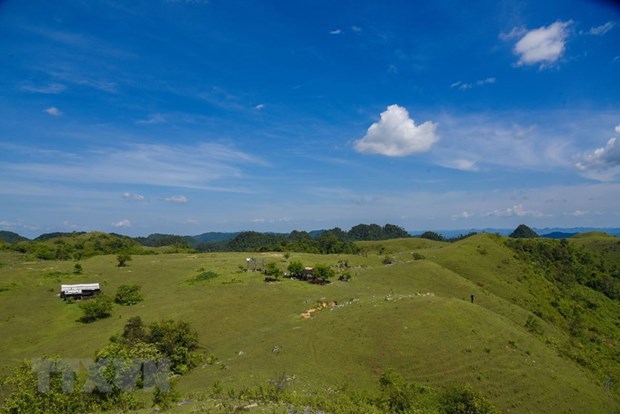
[413, 315]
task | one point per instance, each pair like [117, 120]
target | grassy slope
[414, 316]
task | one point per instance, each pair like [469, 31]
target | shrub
[464, 400]
[206, 275]
[296, 268]
[128, 295]
[323, 272]
[122, 259]
[418, 256]
[272, 271]
[388, 260]
[177, 341]
[345, 277]
[77, 269]
[98, 308]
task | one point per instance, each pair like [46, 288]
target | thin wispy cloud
[465, 86]
[49, 89]
[397, 135]
[133, 197]
[600, 30]
[198, 166]
[152, 120]
[335, 32]
[177, 199]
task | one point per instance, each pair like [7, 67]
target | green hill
[527, 342]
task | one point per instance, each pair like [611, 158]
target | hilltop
[540, 335]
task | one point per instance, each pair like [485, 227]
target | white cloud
[397, 135]
[133, 197]
[464, 86]
[335, 32]
[356, 29]
[578, 213]
[122, 223]
[600, 30]
[53, 111]
[543, 46]
[151, 120]
[603, 163]
[460, 164]
[178, 199]
[259, 107]
[49, 89]
[515, 211]
[192, 166]
[462, 215]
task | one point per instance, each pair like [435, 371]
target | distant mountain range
[157, 239]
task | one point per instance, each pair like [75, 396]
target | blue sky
[187, 116]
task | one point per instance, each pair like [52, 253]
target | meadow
[413, 315]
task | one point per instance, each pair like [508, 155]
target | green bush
[98, 308]
[418, 256]
[128, 295]
[177, 341]
[206, 275]
[465, 400]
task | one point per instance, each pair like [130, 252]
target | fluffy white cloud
[397, 135]
[336, 32]
[122, 223]
[53, 111]
[544, 45]
[603, 163]
[178, 199]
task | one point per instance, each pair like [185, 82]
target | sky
[189, 116]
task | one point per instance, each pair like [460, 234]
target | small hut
[79, 291]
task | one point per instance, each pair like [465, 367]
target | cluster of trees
[431, 235]
[100, 307]
[76, 246]
[332, 241]
[564, 263]
[131, 361]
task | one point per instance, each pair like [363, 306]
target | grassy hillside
[414, 315]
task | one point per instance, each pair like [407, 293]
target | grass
[413, 315]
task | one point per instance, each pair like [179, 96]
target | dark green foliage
[128, 295]
[68, 246]
[323, 272]
[10, 237]
[272, 271]
[205, 275]
[122, 259]
[26, 397]
[523, 232]
[465, 400]
[77, 269]
[431, 235]
[388, 260]
[376, 232]
[566, 264]
[418, 256]
[533, 325]
[134, 331]
[178, 342]
[345, 277]
[295, 268]
[98, 308]
[160, 240]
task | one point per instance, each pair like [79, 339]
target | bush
[323, 272]
[418, 256]
[206, 275]
[464, 400]
[128, 295]
[98, 308]
[177, 341]
[122, 259]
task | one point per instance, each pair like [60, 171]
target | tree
[177, 341]
[134, 331]
[98, 308]
[122, 259]
[296, 268]
[323, 272]
[128, 295]
[273, 271]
